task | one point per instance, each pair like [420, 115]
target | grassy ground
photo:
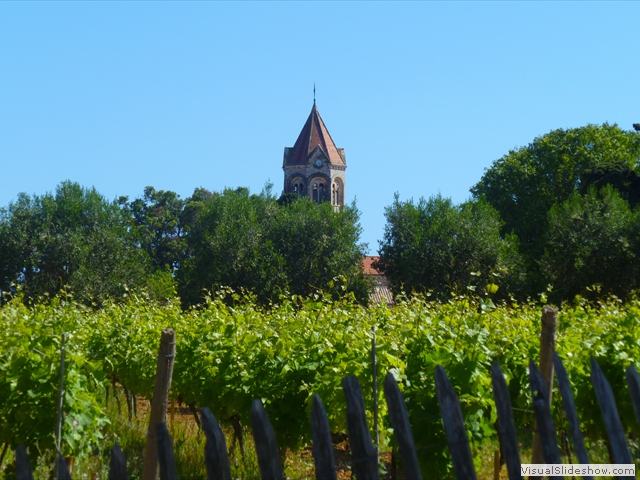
[189, 452]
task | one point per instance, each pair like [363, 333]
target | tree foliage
[592, 241]
[528, 182]
[440, 247]
[76, 239]
[159, 225]
[252, 242]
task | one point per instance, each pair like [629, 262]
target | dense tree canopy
[76, 239]
[524, 184]
[254, 242]
[527, 183]
[592, 242]
[562, 211]
[159, 225]
[442, 248]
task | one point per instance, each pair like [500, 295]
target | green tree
[229, 247]
[244, 241]
[158, 218]
[592, 240]
[320, 248]
[527, 182]
[440, 247]
[75, 238]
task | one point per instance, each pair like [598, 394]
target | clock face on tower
[318, 163]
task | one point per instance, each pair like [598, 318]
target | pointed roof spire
[314, 135]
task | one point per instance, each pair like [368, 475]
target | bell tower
[314, 167]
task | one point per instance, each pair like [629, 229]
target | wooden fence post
[454, 427]
[23, 466]
[322, 446]
[117, 464]
[266, 445]
[364, 464]
[570, 411]
[402, 428]
[161, 387]
[374, 369]
[544, 422]
[617, 439]
[507, 433]
[216, 457]
[60, 396]
[547, 347]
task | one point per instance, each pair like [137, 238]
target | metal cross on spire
[314, 93]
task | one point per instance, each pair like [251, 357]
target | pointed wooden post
[322, 446]
[402, 428]
[364, 460]
[570, 412]
[215, 449]
[266, 445]
[544, 423]
[166, 458]
[615, 432]
[506, 426]
[62, 470]
[23, 466]
[117, 464]
[454, 427]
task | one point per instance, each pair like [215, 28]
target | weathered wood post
[161, 387]
[401, 428]
[364, 461]
[60, 396]
[547, 347]
[374, 371]
[322, 447]
[117, 464]
[23, 466]
[266, 444]
[454, 427]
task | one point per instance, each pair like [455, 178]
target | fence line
[364, 463]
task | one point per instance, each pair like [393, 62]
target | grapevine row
[227, 356]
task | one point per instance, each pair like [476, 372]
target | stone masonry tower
[314, 167]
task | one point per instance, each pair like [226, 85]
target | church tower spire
[314, 167]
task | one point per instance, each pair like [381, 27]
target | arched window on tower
[315, 192]
[297, 187]
[321, 194]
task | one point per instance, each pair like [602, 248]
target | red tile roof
[381, 295]
[314, 134]
[381, 291]
[367, 266]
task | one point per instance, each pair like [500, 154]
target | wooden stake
[159, 402]
[60, 396]
[547, 347]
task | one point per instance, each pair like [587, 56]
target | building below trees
[381, 292]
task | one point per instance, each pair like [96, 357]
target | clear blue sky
[422, 96]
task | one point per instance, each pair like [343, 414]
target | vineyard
[230, 352]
